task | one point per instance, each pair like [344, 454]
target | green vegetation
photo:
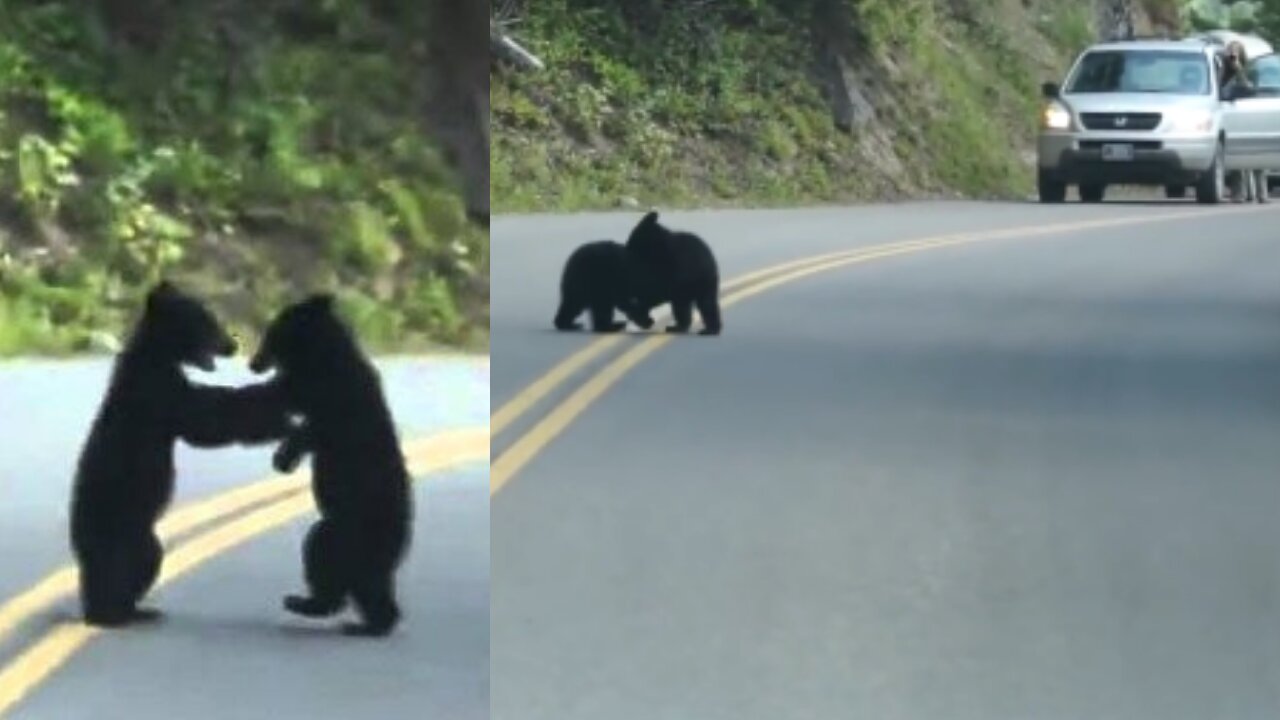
[1256, 16]
[1234, 14]
[252, 151]
[1068, 25]
[703, 103]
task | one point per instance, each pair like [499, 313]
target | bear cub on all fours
[359, 479]
[598, 277]
[679, 268]
[125, 475]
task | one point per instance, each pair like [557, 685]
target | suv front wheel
[1212, 185]
[1051, 190]
[1092, 193]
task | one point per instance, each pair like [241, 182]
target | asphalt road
[1021, 479]
[226, 650]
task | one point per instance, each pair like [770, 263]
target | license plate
[1117, 152]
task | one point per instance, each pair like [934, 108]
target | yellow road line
[28, 670]
[533, 393]
[529, 444]
[536, 391]
[544, 385]
[557, 375]
[64, 581]
[545, 431]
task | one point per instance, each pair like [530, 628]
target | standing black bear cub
[598, 277]
[359, 479]
[679, 268]
[125, 476]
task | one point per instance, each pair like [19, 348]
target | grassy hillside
[698, 103]
[253, 151]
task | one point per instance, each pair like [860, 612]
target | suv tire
[1051, 190]
[1211, 187]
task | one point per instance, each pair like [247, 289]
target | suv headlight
[1055, 116]
[1187, 121]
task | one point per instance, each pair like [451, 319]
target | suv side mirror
[1050, 90]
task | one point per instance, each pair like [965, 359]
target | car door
[1252, 122]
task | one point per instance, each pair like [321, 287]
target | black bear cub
[359, 479]
[125, 475]
[598, 277]
[679, 268]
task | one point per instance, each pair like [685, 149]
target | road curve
[226, 650]
[1029, 478]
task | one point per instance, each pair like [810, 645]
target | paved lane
[1014, 480]
[227, 650]
[529, 252]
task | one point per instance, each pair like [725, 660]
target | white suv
[1149, 112]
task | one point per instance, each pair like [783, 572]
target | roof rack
[1141, 38]
[1200, 40]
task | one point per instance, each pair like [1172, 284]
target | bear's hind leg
[567, 314]
[321, 557]
[110, 578]
[146, 568]
[602, 318]
[101, 589]
[375, 599]
[682, 312]
[709, 311]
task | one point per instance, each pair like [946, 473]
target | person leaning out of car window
[1234, 62]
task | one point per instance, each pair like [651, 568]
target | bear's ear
[163, 289]
[650, 218]
[321, 302]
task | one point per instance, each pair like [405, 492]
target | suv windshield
[1142, 71]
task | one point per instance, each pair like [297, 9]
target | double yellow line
[543, 432]
[229, 519]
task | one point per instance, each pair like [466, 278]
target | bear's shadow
[635, 332]
[207, 625]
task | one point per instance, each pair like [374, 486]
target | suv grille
[1120, 121]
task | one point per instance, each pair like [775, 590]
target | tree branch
[504, 47]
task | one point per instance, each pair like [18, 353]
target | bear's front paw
[645, 322]
[285, 461]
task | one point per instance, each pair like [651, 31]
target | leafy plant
[283, 150]
[44, 172]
